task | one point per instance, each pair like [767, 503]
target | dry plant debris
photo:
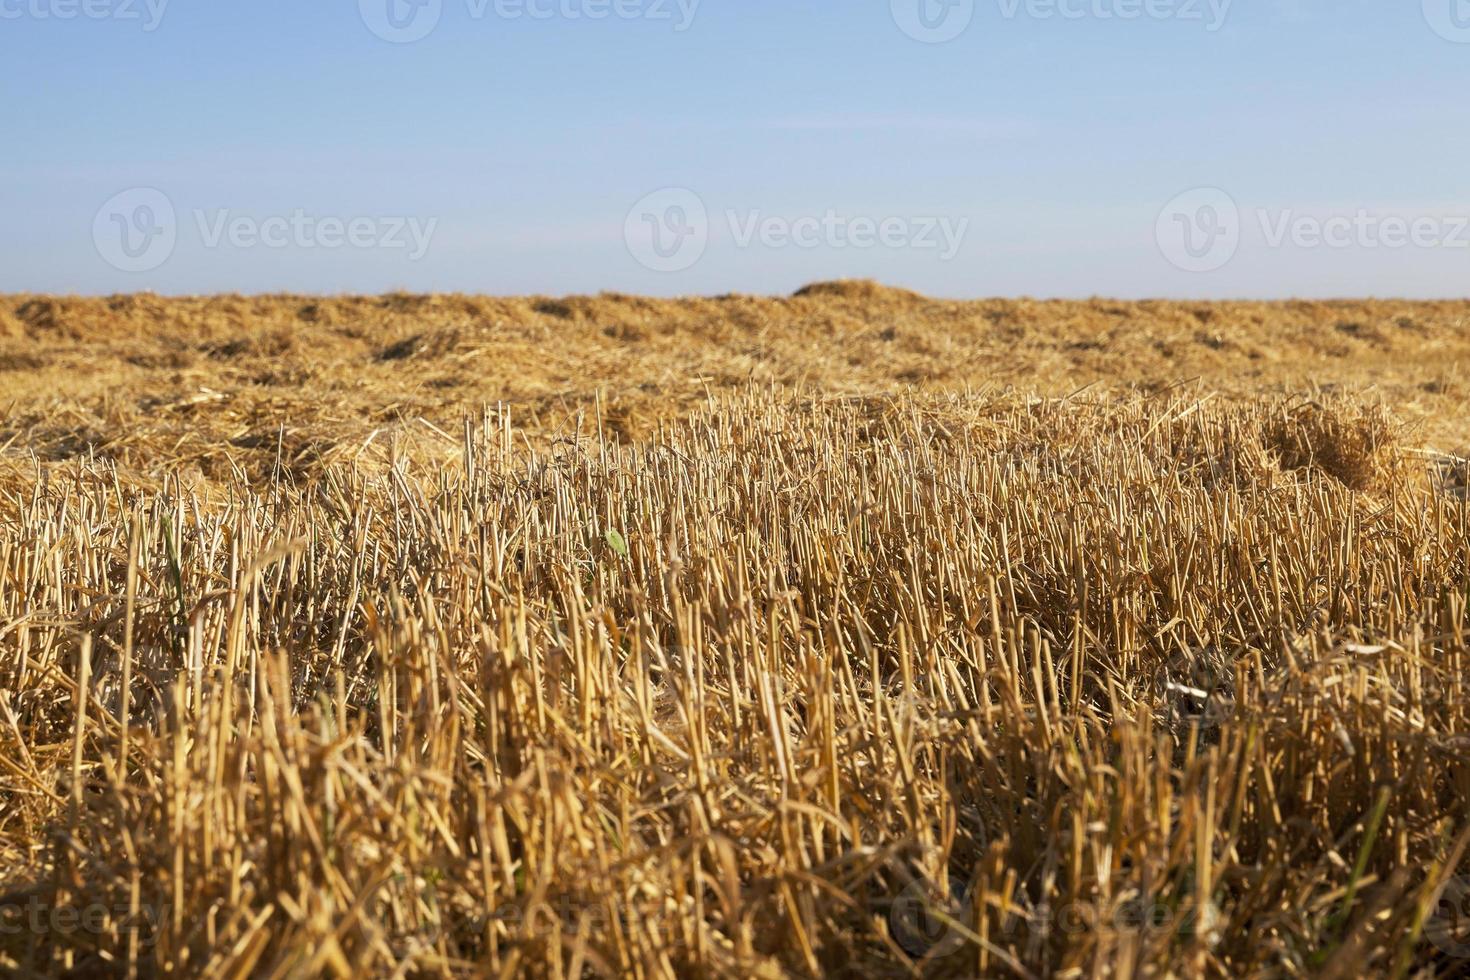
[448, 636]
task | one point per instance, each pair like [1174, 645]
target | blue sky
[1052, 148]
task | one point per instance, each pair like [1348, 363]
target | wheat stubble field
[849, 634]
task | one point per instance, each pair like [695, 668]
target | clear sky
[1172, 148]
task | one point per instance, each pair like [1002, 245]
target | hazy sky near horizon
[1171, 148]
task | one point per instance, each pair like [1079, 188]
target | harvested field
[853, 634]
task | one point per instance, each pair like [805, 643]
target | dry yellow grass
[158, 383]
[851, 634]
